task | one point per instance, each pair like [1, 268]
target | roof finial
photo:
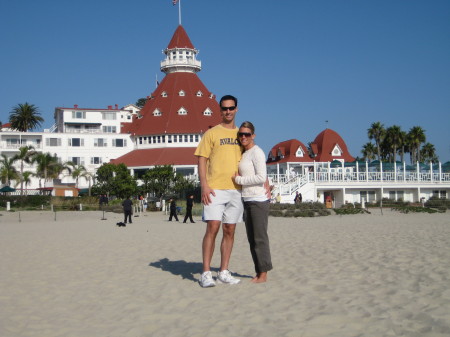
[326, 124]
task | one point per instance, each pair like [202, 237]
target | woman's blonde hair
[248, 125]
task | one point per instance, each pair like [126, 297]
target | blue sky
[293, 64]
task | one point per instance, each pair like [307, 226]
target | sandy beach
[73, 274]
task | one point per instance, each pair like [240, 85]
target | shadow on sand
[186, 270]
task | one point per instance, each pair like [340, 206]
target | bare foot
[260, 278]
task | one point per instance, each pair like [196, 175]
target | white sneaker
[224, 276]
[206, 280]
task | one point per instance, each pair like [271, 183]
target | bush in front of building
[28, 202]
[439, 203]
[304, 209]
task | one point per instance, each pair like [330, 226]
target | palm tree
[416, 136]
[428, 153]
[77, 171]
[7, 170]
[46, 165]
[26, 178]
[24, 117]
[394, 140]
[405, 146]
[368, 151]
[377, 132]
[25, 155]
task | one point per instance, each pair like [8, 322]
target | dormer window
[299, 152]
[207, 112]
[157, 112]
[182, 111]
[336, 151]
[199, 94]
[211, 96]
[182, 93]
[280, 154]
[164, 94]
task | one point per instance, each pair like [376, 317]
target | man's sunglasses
[244, 134]
[225, 108]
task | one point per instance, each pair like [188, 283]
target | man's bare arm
[206, 190]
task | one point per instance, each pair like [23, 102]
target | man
[127, 209]
[189, 205]
[173, 210]
[218, 157]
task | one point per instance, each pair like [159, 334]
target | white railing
[287, 185]
[18, 146]
[72, 130]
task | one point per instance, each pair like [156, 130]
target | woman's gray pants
[256, 214]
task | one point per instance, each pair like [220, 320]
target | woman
[252, 176]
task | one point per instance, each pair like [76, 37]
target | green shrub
[435, 202]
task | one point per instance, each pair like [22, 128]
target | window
[53, 141]
[96, 160]
[199, 94]
[336, 151]
[100, 142]
[76, 142]
[119, 142]
[207, 112]
[109, 129]
[77, 160]
[109, 116]
[299, 152]
[79, 114]
[157, 112]
[164, 94]
[182, 111]
[14, 141]
[181, 93]
[191, 138]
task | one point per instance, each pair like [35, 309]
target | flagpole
[179, 12]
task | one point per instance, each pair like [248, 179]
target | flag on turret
[174, 2]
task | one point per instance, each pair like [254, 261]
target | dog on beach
[121, 224]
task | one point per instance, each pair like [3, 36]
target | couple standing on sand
[228, 160]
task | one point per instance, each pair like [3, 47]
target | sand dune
[359, 275]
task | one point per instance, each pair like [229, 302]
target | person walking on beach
[127, 205]
[252, 176]
[173, 210]
[218, 156]
[189, 205]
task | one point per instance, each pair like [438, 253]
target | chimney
[109, 107]
[117, 107]
[75, 106]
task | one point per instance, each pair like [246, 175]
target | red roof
[180, 39]
[325, 143]
[196, 99]
[161, 156]
[286, 152]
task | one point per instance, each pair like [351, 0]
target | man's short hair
[228, 98]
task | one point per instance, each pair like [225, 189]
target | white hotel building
[84, 136]
[170, 125]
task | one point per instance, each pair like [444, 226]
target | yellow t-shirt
[220, 146]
